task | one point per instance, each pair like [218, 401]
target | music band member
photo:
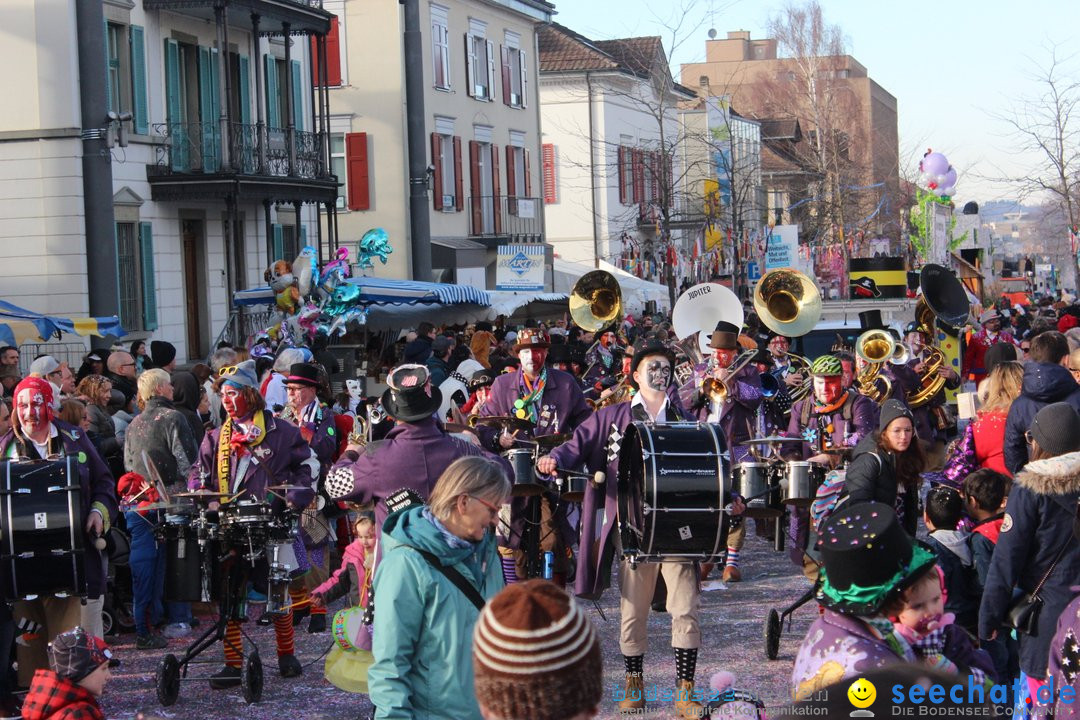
[596, 444]
[974, 366]
[318, 426]
[736, 411]
[602, 359]
[251, 451]
[932, 420]
[36, 434]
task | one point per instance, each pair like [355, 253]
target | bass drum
[673, 485]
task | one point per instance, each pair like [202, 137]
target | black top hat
[867, 559]
[303, 374]
[645, 347]
[411, 396]
[871, 320]
[559, 353]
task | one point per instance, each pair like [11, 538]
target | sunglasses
[227, 371]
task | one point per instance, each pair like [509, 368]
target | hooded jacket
[186, 394]
[1038, 524]
[871, 477]
[957, 562]
[52, 697]
[1044, 383]
[422, 636]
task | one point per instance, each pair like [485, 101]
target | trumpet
[718, 389]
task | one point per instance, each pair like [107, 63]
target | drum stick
[302, 603]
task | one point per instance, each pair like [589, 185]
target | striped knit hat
[536, 655]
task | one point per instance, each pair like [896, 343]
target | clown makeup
[827, 388]
[532, 360]
[657, 373]
[724, 357]
[915, 342]
[234, 402]
[778, 346]
[32, 411]
[607, 339]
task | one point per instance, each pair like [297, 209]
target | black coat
[1044, 383]
[871, 477]
[1038, 524]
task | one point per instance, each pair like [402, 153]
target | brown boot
[684, 706]
[732, 574]
[706, 569]
[634, 693]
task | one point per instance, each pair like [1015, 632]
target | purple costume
[925, 423]
[562, 406]
[738, 414]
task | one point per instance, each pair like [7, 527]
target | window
[126, 73]
[135, 276]
[440, 46]
[480, 53]
[484, 165]
[446, 187]
[338, 168]
[514, 73]
[518, 184]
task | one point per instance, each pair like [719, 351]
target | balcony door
[487, 189]
[193, 106]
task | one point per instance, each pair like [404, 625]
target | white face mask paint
[657, 374]
[528, 361]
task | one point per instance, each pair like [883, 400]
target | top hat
[410, 396]
[871, 320]
[531, 337]
[482, 378]
[649, 346]
[867, 559]
[725, 336]
[303, 374]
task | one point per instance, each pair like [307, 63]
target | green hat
[827, 365]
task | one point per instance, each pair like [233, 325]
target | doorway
[193, 241]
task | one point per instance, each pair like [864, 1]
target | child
[918, 615]
[146, 560]
[80, 668]
[347, 669]
[944, 508]
[985, 492]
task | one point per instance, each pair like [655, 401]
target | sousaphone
[699, 309]
[596, 301]
[788, 302]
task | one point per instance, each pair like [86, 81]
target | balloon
[950, 177]
[374, 243]
[340, 263]
[934, 163]
[305, 269]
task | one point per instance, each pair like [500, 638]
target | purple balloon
[935, 164]
[950, 177]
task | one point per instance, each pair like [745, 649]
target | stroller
[118, 608]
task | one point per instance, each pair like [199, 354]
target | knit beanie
[162, 353]
[1056, 428]
[891, 410]
[536, 655]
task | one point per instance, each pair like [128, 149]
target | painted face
[234, 402]
[300, 396]
[778, 346]
[654, 373]
[724, 356]
[848, 376]
[626, 363]
[607, 339]
[923, 605]
[916, 342]
[532, 360]
[899, 434]
[34, 414]
[827, 389]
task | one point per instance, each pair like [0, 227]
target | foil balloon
[309, 317]
[374, 243]
[340, 263]
[306, 270]
[934, 164]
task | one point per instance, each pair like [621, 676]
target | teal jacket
[422, 636]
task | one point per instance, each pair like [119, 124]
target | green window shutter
[178, 146]
[303, 236]
[245, 90]
[273, 102]
[140, 112]
[297, 96]
[124, 321]
[207, 108]
[108, 80]
[279, 241]
[149, 286]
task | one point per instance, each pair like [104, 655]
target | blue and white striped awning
[384, 291]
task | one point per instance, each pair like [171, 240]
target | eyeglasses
[493, 508]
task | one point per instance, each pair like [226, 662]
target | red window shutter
[527, 173]
[436, 177]
[505, 78]
[496, 203]
[333, 57]
[547, 161]
[511, 180]
[639, 175]
[474, 177]
[654, 166]
[459, 178]
[622, 176]
[356, 164]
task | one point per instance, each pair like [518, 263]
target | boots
[634, 693]
[732, 574]
[684, 706]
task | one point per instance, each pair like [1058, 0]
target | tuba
[943, 298]
[789, 302]
[596, 301]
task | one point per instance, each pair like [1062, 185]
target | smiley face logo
[862, 693]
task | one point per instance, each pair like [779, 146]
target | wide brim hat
[991, 314]
[303, 374]
[724, 337]
[410, 396]
[531, 337]
[867, 559]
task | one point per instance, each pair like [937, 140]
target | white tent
[636, 292]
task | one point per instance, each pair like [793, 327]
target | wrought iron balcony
[303, 16]
[196, 148]
[519, 219]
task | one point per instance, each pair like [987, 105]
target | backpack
[830, 496]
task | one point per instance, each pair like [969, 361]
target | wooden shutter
[208, 107]
[333, 57]
[273, 101]
[278, 233]
[524, 79]
[459, 177]
[475, 185]
[638, 175]
[356, 170]
[506, 83]
[491, 70]
[245, 90]
[511, 180]
[528, 171]
[139, 111]
[470, 66]
[436, 177]
[149, 285]
[623, 151]
[177, 147]
[496, 200]
[547, 162]
[297, 96]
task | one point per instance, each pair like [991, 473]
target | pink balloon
[935, 164]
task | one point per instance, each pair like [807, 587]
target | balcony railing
[517, 218]
[196, 148]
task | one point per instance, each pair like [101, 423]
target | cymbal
[457, 428]
[552, 440]
[506, 421]
[162, 506]
[203, 494]
[287, 488]
[771, 439]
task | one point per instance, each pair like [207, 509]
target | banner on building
[782, 250]
[520, 267]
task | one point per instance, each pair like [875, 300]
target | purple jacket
[412, 455]
[562, 406]
[837, 647]
[282, 458]
[595, 445]
[1064, 666]
[864, 419]
[925, 424]
[738, 416]
[97, 486]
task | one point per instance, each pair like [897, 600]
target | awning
[387, 292]
[17, 325]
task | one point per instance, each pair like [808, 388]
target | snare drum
[246, 526]
[525, 484]
[673, 485]
[42, 542]
[751, 480]
[347, 626]
[801, 481]
[572, 489]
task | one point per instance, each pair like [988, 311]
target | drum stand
[171, 671]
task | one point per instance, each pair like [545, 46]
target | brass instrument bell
[596, 301]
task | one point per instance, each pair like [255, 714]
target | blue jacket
[955, 559]
[1044, 383]
[1038, 524]
[422, 636]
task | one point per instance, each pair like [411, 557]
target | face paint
[532, 360]
[848, 376]
[234, 402]
[607, 339]
[32, 411]
[724, 357]
[657, 373]
[827, 389]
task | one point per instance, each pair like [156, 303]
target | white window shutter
[524, 79]
[470, 64]
[491, 69]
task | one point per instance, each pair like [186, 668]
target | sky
[950, 64]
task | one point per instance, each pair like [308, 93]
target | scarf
[309, 420]
[240, 443]
[525, 407]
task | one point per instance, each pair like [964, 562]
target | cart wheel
[251, 677]
[772, 635]
[107, 622]
[168, 680]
